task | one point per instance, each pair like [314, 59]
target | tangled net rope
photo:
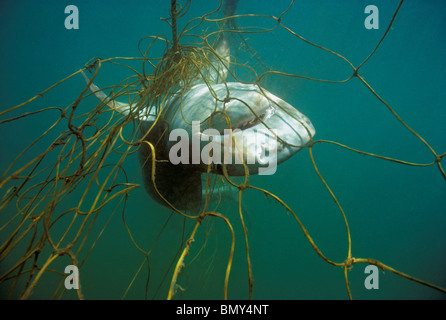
[57, 204]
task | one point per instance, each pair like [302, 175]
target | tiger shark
[193, 134]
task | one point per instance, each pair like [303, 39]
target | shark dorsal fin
[218, 70]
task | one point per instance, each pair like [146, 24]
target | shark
[227, 128]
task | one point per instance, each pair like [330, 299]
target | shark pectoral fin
[120, 107]
[180, 185]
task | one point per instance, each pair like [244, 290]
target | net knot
[349, 262]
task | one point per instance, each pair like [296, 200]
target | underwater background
[396, 213]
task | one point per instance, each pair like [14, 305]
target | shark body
[264, 129]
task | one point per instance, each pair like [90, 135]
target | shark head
[265, 130]
[241, 125]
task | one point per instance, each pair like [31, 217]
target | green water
[396, 213]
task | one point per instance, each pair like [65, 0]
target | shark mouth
[242, 117]
[256, 119]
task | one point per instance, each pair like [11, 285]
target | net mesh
[63, 192]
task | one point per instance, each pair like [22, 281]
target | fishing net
[74, 195]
